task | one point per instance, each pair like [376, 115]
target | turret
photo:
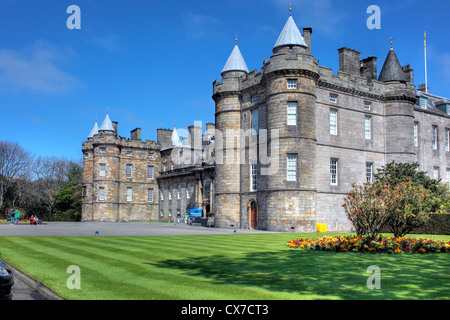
[228, 119]
[290, 82]
[400, 98]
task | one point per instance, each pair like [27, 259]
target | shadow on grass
[312, 274]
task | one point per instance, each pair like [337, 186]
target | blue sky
[153, 62]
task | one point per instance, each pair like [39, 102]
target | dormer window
[255, 99]
[423, 102]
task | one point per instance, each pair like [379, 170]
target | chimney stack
[368, 68]
[307, 36]
[349, 61]
[136, 134]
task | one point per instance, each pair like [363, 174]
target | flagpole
[425, 51]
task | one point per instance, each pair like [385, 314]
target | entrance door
[253, 215]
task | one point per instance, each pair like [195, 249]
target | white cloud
[198, 25]
[324, 16]
[36, 68]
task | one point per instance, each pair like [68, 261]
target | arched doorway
[253, 215]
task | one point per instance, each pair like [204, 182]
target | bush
[380, 244]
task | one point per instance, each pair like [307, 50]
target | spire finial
[235, 38]
[290, 8]
[107, 110]
[390, 41]
[174, 124]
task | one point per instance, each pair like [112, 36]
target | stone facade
[287, 144]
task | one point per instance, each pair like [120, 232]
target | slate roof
[235, 62]
[392, 70]
[290, 35]
[107, 124]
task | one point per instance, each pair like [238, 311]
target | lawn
[221, 267]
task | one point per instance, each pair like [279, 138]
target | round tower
[106, 171]
[290, 79]
[400, 98]
[227, 141]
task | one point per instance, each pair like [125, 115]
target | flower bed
[380, 245]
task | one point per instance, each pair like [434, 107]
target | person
[38, 221]
[12, 216]
[178, 218]
[17, 215]
[185, 218]
[32, 220]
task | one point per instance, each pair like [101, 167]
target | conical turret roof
[107, 124]
[290, 35]
[392, 70]
[94, 130]
[175, 137]
[235, 62]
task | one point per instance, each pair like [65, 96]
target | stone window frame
[434, 137]
[334, 172]
[416, 134]
[368, 127]
[436, 173]
[367, 105]
[369, 172]
[255, 122]
[255, 99]
[179, 191]
[101, 195]
[129, 194]
[292, 117]
[292, 167]
[188, 190]
[292, 84]
[333, 98]
[129, 171]
[102, 170]
[152, 175]
[447, 139]
[102, 150]
[150, 195]
[254, 175]
[333, 124]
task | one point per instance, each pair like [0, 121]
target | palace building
[287, 144]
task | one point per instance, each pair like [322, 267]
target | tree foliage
[49, 187]
[401, 199]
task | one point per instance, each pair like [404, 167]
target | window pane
[254, 175]
[434, 138]
[254, 122]
[101, 195]
[129, 194]
[102, 170]
[292, 114]
[128, 170]
[333, 122]
[369, 170]
[150, 195]
[150, 172]
[367, 127]
[292, 168]
[333, 172]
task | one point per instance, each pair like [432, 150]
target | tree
[395, 173]
[68, 203]
[14, 161]
[408, 205]
[366, 210]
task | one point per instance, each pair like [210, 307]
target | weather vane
[390, 41]
[290, 8]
